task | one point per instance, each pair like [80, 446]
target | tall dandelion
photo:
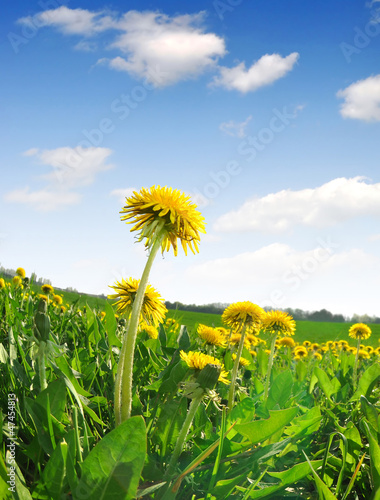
[161, 216]
[275, 323]
[358, 331]
[240, 316]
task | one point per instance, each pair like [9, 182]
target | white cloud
[123, 193]
[74, 167]
[156, 47]
[86, 46]
[163, 49]
[44, 200]
[235, 129]
[265, 71]
[336, 201]
[362, 100]
[71, 21]
[278, 275]
[70, 169]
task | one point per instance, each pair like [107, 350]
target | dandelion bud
[42, 322]
[209, 376]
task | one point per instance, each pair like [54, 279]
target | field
[214, 414]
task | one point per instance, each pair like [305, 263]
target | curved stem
[182, 435]
[356, 362]
[270, 364]
[123, 382]
[41, 365]
[231, 394]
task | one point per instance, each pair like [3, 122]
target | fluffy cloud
[235, 129]
[164, 49]
[70, 169]
[278, 275]
[71, 21]
[362, 100]
[156, 47]
[338, 200]
[265, 71]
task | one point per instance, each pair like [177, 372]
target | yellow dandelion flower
[315, 346]
[198, 360]
[153, 309]
[243, 313]
[63, 309]
[235, 340]
[149, 209]
[47, 289]
[278, 322]
[43, 297]
[253, 353]
[252, 339]
[317, 355]
[102, 315]
[57, 299]
[377, 351]
[306, 343]
[369, 349]
[363, 354]
[20, 272]
[2, 283]
[300, 352]
[359, 330]
[150, 330]
[242, 361]
[286, 342]
[211, 335]
[222, 331]
[16, 280]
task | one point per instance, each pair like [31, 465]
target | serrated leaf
[112, 469]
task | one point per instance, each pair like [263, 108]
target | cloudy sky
[267, 113]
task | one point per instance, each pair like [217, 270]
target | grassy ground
[314, 331]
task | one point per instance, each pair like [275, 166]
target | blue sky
[267, 113]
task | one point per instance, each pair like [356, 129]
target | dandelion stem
[41, 365]
[184, 431]
[356, 362]
[270, 364]
[231, 394]
[123, 381]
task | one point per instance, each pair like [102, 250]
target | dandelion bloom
[286, 342]
[317, 355]
[363, 354]
[300, 352]
[16, 280]
[235, 340]
[43, 297]
[211, 335]
[57, 299]
[242, 313]
[150, 330]
[198, 360]
[149, 209]
[47, 289]
[278, 322]
[153, 309]
[2, 283]
[242, 361]
[20, 272]
[359, 330]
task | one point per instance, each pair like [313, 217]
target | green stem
[356, 362]
[41, 365]
[270, 364]
[231, 394]
[182, 435]
[123, 381]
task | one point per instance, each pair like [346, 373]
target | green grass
[314, 331]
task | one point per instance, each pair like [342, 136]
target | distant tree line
[298, 314]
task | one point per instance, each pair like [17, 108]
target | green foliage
[67, 445]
